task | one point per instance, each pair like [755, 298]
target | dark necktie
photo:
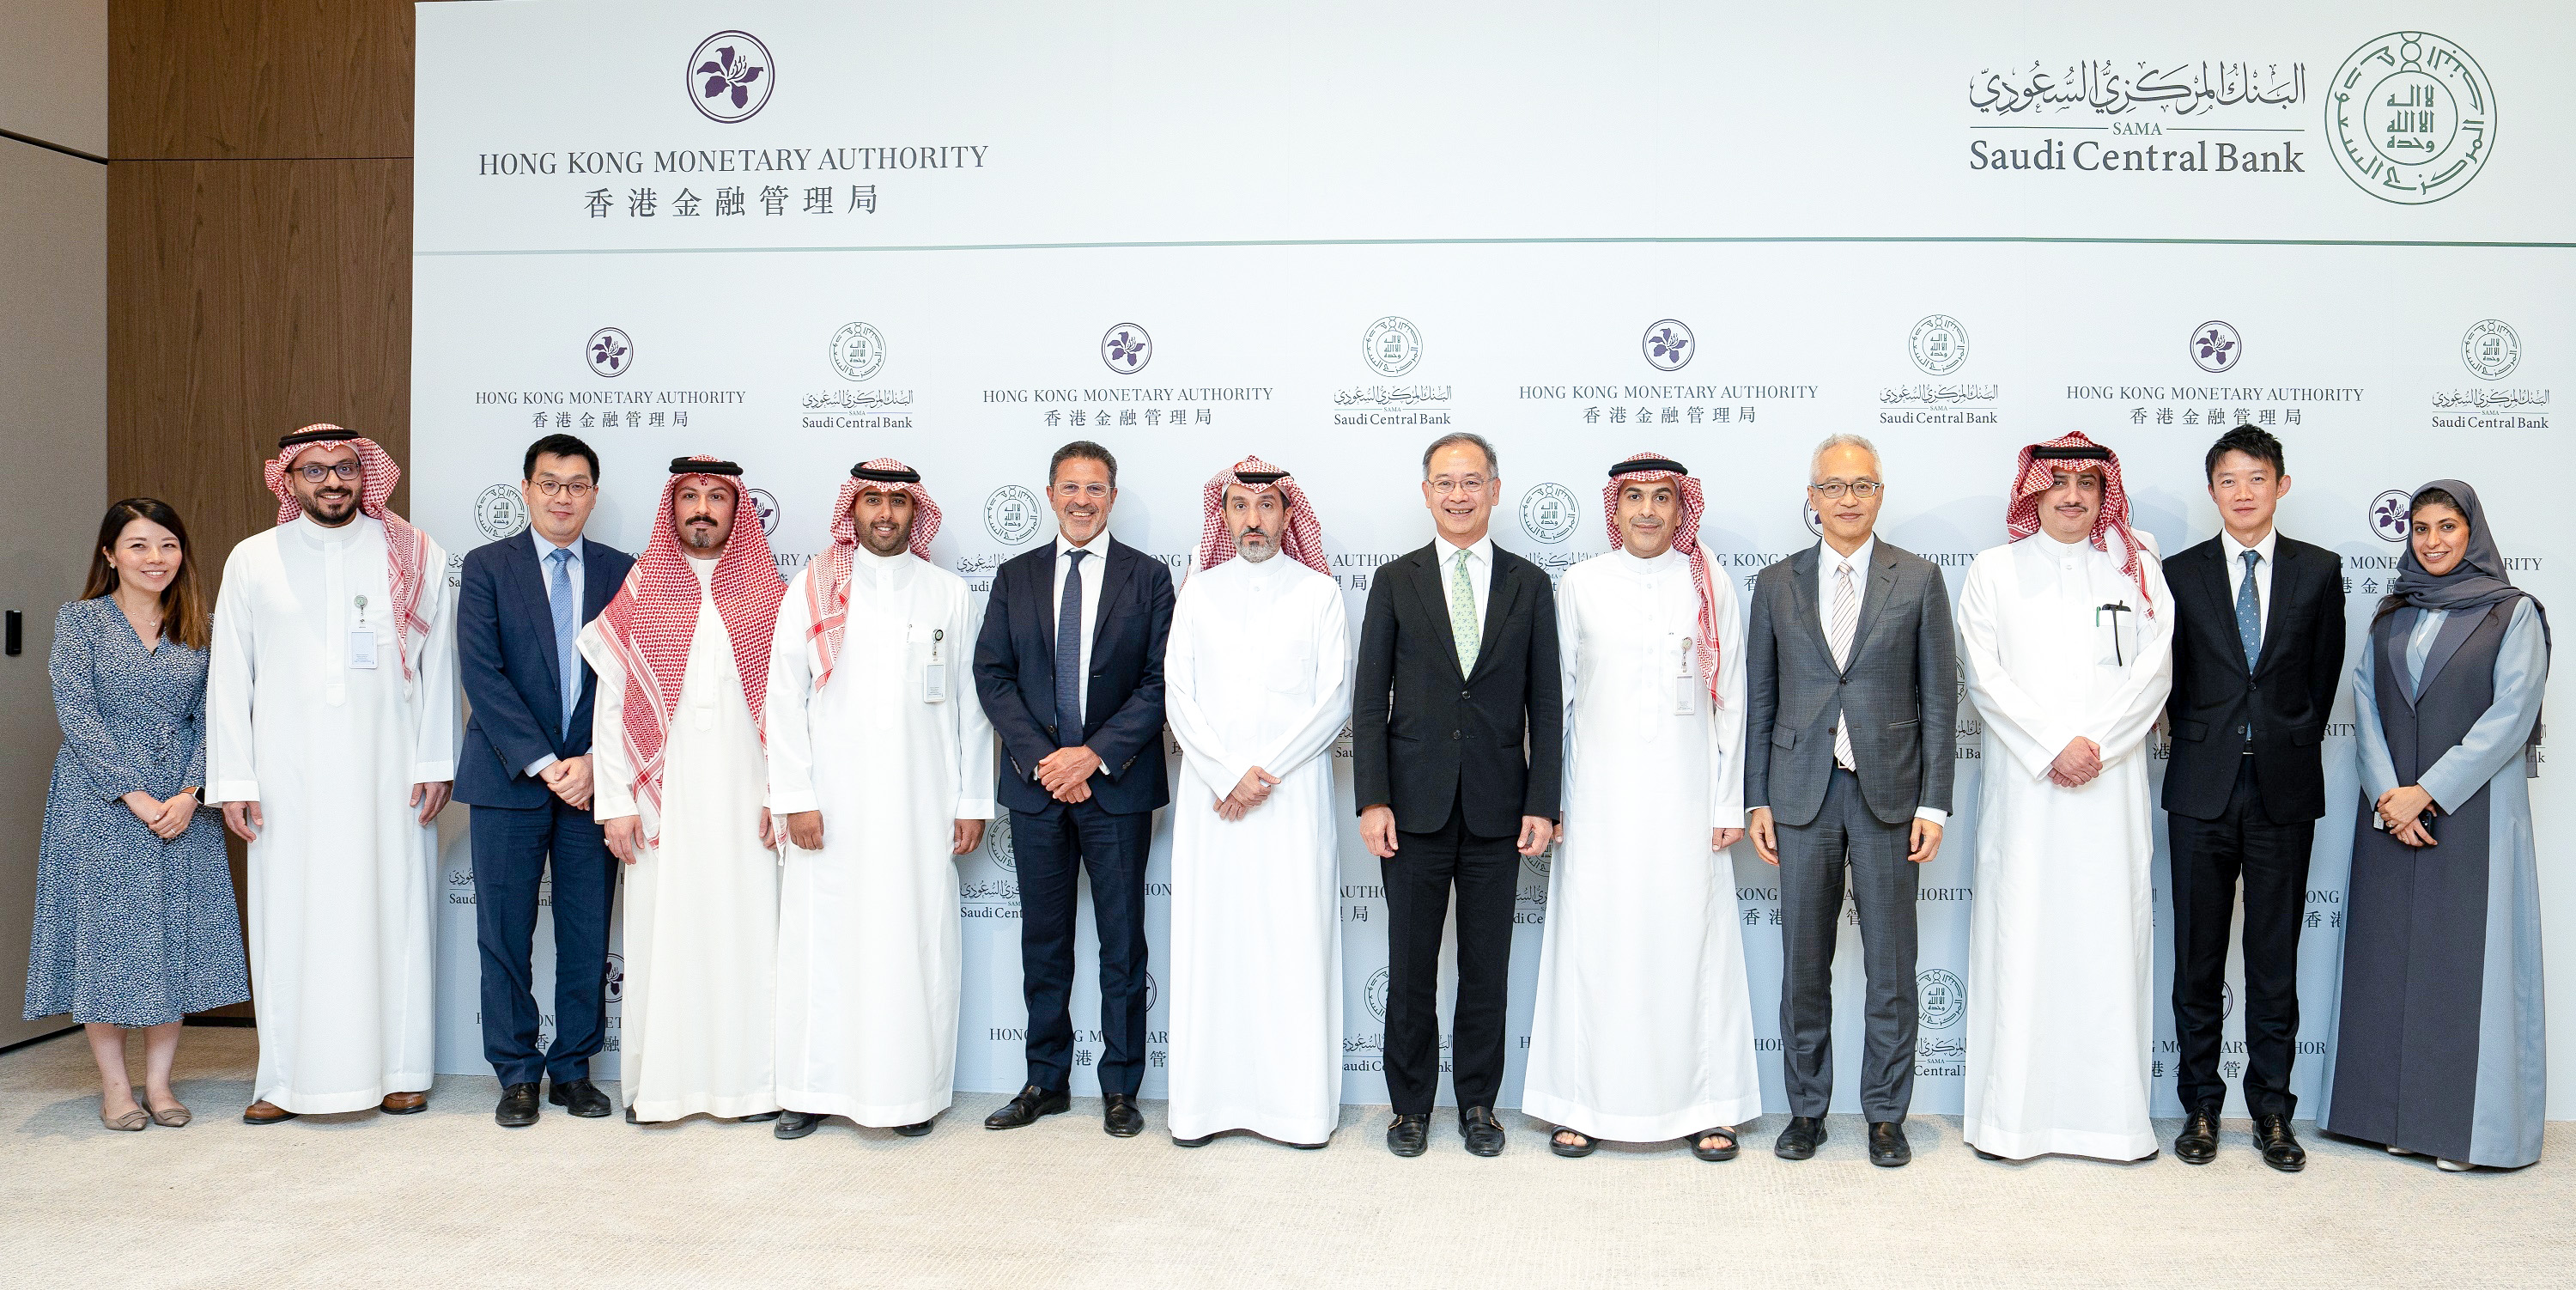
[2249, 625]
[1068, 656]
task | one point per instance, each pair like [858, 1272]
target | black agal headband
[1645, 464]
[882, 475]
[694, 466]
[2076, 452]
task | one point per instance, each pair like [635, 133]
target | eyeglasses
[575, 490]
[1069, 490]
[1860, 488]
[1449, 487]
[316, 473]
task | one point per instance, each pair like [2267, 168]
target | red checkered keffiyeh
[406, 548]
[1304, 540]
[2037, 472]
[648, 626]
[1685, 540]
[827, 586]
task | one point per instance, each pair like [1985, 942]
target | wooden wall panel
[249, 298]
[206, 79]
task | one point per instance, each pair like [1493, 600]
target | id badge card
[362, 648]
[1685, 683]
[934, 675]
[2115, 634]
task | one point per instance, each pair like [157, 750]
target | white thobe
[1258, 674]
[698, 1031]
[342, 876]
[868, 926]
[1643, 1028]
[2061, 948]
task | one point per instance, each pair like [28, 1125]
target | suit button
[1453, 734]
[1466, 694]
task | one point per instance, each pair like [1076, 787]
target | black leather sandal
[1713, 1154]
[1576, 1150]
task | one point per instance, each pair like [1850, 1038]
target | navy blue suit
[1108, 835]
[505, 650]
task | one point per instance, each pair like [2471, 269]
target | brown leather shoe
[264, 1111]
[404, 1103]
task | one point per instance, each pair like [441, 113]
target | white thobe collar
[881, 566]
[705, 568]
[320, 535]
[1647, 566]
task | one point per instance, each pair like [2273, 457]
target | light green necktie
[1462, 617]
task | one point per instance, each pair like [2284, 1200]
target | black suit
[1460, 758]
[2246, 803]
[1109, 834]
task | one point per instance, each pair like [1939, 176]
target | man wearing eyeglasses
[1851, 684]
[526, 772]
[1069, 668]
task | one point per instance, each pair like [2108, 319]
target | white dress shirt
[1091, 574]
[1480, 573]
[1829, 564]
[2235, 552]
[546, 579]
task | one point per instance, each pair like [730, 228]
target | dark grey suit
[1897, 698]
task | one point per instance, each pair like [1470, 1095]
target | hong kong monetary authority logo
[499, 511]
[1938, 345]
[2491, 350]
[1126, 349]
[766, 507]
[1011, 514]
[731, 76]
[2412, 116]
[2388, 514]
[610, 351]
[1375, 993]
[858, 350]
[2215, 346]
[1391, 345]
[1668, 345]
[1549, 513]
[1943, 1000]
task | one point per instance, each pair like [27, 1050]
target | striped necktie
[1463, 627]
[1846, 617]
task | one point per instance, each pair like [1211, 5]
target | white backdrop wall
[1344, 229]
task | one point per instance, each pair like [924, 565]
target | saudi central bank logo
[858, 350]
[2413, 118]
[1549, 513]
[1011, 514]
[2491, 350]
[1391, 345]
[997, 844]
[1943, 1000]
[1375, 993]
[1938, 345]
[730, 76]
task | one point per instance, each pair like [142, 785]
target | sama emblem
[766, 507]
[1943, 999]
[730, 76]
[997, 844]
[612, 981]
[858, 350]
[2491, 350]
[499, 511]
[1549, 513]
[1668, 345]
[1391, 345]
[1539, 864]
[2388, 514]
[611, 353]
[1011, 514]
[2215, 346]
[1938, 345]
[1126, 349]
[1375, 993]
[2413, 118]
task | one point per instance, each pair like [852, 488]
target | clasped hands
[2402, 810]
[2078, 765]
[1066, 773]
[168, 819]
[569, 778]
[1250, 791]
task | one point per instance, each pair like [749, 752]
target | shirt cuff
[975, 808]
[1934, 814]
[794, 801]
[233, 790]
[539, 765]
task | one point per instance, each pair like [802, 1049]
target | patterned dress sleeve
[69, 665]
[197, 760]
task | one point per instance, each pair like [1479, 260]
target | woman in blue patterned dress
[135, 922]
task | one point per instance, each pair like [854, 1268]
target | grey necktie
[1068, 655]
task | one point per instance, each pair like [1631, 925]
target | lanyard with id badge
[934, 676]
[362, 640]
[2115, 634]
[1686, 682]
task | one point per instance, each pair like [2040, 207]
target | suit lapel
[1501, 594]
[2285, 582]
[1802, 594]
[1431, 599]
[2206, 576]
[1118, 563]
[1882, 584]
[530, 583]
[1044, 571]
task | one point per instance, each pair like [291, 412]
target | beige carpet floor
[445, 1198]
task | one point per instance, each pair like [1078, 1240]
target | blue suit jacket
[1123, 717]
[505, 651]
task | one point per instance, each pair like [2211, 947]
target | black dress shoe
[582, 1098]
[1887, 1146]
[1409, 1135]
[1483, 1132]
[913, 1130]
[1022, 1111]
[756, 1117]
[630, 1116]
[2197, 1144]
[1120, 1118]
[795, 1124]
[1179, 1141]
[1800, 1140]
[1983, 1154]
[518, 1108]
[2281, 1148]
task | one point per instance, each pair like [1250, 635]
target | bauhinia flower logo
[1126, 349]
[2389, 513]
[1668, 344]
[730, 76]
[609, 351]
[2214, 346]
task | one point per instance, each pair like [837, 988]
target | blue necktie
[1068, 656]
[2249, 623]
[567, 626]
